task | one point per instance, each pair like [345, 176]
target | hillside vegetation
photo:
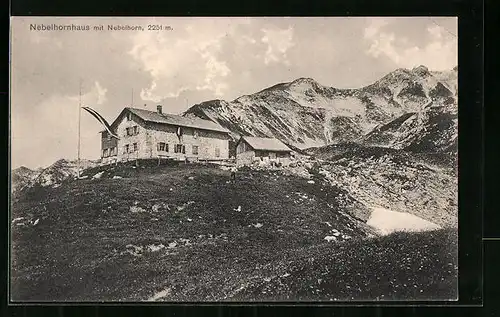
[188, 233]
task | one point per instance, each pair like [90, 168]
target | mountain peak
[23, 169]
[421, 70]
[304, 80]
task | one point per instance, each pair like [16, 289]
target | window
[106, 135]
[179, 148]
[125, 149]
[217, 152]
[135, 147]
[132, 131]
[195, 149]
[161, 147]
[112, 151]
[105, 153]
[129, 116]
[241, 148]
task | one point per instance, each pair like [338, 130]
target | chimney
[158, 109]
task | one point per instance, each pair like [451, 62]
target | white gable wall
[130, 140]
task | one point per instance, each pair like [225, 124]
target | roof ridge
[194, 122]
[268, 143]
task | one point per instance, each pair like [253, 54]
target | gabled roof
[268, 144]
[165, 118]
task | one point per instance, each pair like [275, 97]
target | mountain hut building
[148, 134]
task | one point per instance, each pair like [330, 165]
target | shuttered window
[132, 131]
[179, 148]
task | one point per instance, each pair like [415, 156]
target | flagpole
[79, 127]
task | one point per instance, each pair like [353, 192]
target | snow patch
[136, 209]
[387, 221]
[17, 219]
[185, 205]
[160, 294]
[154, 248]
[330, 238]
[98, 175]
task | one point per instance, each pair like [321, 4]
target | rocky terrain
[404, 109]
[425, 185]
[22, 177]
[51, 176]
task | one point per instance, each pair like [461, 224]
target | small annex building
[255, 149]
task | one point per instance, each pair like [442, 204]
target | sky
[189, 61]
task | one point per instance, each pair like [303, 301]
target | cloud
[278, 42]
[101, 93]
[374, 27]
[189, 62]
[439, 53]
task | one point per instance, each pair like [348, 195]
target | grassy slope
[401, 266]
[79, 248]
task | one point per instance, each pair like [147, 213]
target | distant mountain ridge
[22, 177]
[304, 113]
[50, 176]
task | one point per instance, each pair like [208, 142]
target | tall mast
[79, 126]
